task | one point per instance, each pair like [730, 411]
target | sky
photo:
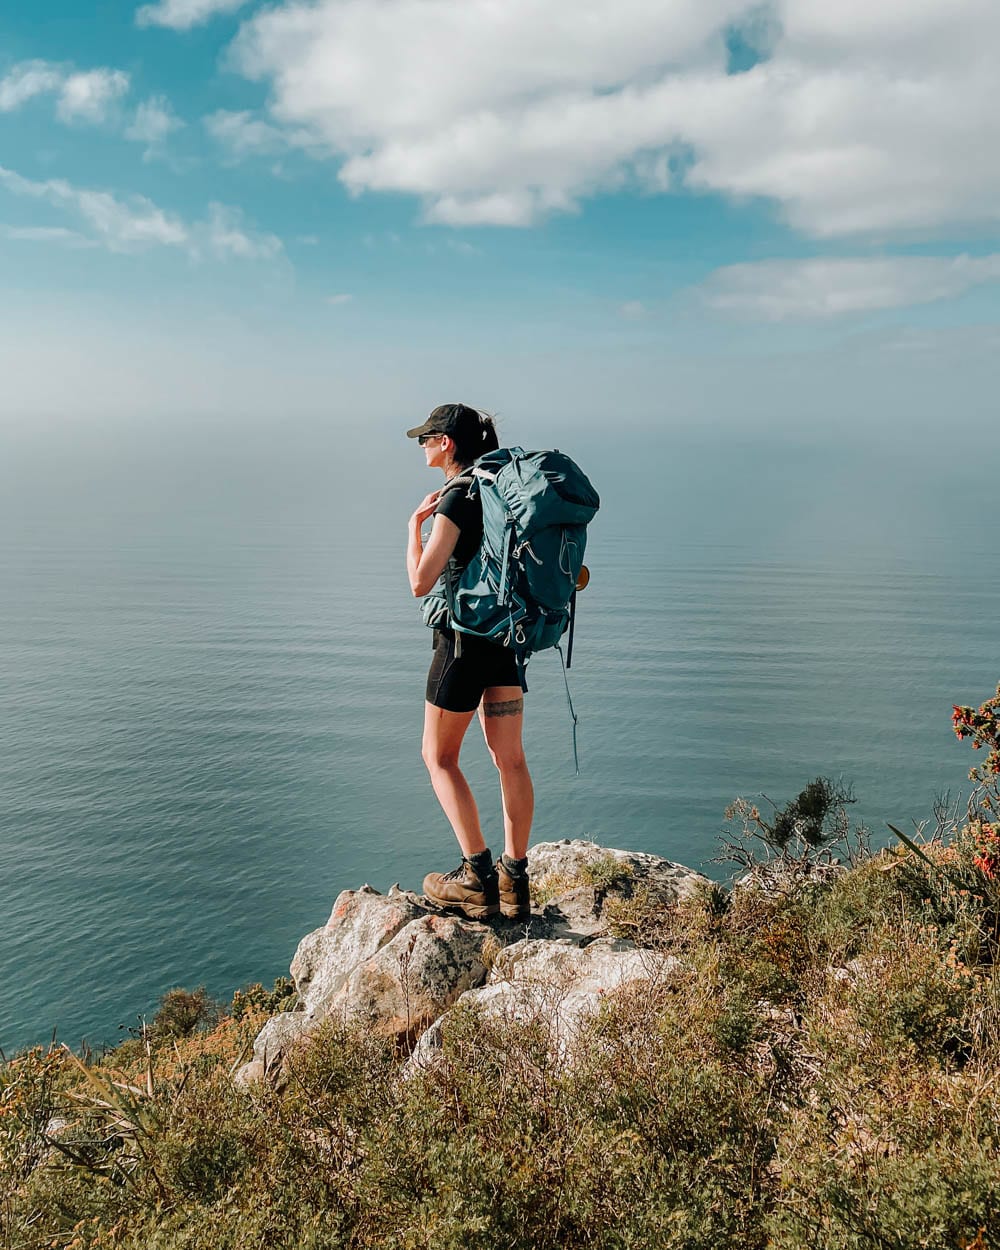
[678, 214]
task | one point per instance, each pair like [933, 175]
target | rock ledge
[397, 965]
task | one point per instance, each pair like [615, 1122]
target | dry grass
[825, 1073]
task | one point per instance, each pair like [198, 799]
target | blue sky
[688, 212]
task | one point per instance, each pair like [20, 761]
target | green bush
[182, 1011]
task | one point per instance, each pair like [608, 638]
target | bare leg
[443, 734]
[502, 715]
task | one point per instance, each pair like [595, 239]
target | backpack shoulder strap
[464, 479]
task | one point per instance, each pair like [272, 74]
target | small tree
[182, 1011]
[805, 831]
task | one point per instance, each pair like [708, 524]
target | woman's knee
[509, 757]
[438, 757]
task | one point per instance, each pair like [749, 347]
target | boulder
[416, 976]
[557, 983]
[362, 921]
[252, 1073]
[575, 879]
[277, 1037]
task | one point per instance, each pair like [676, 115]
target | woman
[483, 678]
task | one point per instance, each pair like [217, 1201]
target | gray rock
[278, 1036]
[577, 878]
[413, 978]
[252, 1073]
[556, 983]
[361, 922]
[395, 964]
[783, 878]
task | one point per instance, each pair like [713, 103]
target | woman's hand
[425, 508]
[425, 565]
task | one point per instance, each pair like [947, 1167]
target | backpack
[519, 589]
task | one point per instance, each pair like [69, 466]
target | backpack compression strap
[450, 572]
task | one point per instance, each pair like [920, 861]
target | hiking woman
[482, 678]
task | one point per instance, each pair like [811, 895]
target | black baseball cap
[452, 419]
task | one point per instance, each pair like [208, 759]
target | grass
[823, 1072]
[602, 874]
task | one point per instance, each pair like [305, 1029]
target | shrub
[256, 999]
[182, 1011]
[805, 831]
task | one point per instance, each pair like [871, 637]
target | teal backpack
[519, 589]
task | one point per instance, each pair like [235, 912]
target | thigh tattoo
[510, 707]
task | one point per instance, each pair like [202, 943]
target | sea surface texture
[210, 716]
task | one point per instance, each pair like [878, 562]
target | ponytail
[474, 436]
[489, 433]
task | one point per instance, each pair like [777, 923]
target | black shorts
[457, 683]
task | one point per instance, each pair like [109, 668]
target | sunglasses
[425, 438]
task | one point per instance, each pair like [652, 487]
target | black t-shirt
[467, 514]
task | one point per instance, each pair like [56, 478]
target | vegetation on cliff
[821, 1068]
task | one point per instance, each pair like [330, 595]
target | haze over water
[211, 682]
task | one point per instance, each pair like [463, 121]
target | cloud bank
[854, 118]
[819, 289]
[137, 224]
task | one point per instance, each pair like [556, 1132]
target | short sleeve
[467, 514]
[458, 507]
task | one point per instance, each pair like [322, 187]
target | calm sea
[210, 701]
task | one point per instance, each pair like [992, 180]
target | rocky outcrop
[397, 965]
[409, 981]
[361, 923]
[557, 984]
[577, 880]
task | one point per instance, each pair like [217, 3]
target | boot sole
[472, 910]
[514, 912]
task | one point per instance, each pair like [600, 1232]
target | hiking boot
[463, 890]
[515, 899]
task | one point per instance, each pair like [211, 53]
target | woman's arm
[424, 565]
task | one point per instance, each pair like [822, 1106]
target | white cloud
[154, 120]
[120, 225]
[137, 224]
[46, 234]
[87, 96]
[339, 299]
[244, 134]
[228, 237]
[794, 290]
[25, 81]
[183, 14]
[863, 118]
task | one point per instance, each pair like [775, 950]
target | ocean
[211, 687]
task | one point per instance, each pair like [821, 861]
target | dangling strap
[522, 670]
[572, 623]
[450, 578]
[572, 712]
[505, 556]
